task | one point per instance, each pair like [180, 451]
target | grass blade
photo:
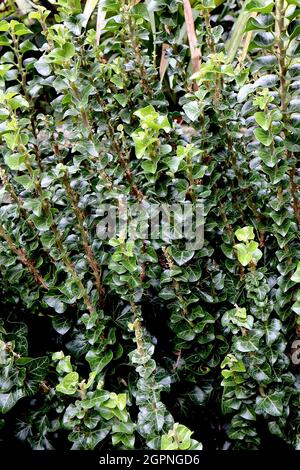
[88, 10]
[234, 42]
[164, 62]
[191, 34]
[101, 14]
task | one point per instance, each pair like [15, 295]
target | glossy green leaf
[270, 404]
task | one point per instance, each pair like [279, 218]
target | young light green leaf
[262, 120]
[265, 137]
[245, 234]
[69, 384]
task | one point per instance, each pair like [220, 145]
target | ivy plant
[113, 341]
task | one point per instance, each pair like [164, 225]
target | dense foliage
[142, 343]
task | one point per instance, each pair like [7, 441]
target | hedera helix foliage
[20, 375]
[152, 341]
[97, 413]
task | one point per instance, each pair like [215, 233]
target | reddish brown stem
[84, 236]
[22, 256]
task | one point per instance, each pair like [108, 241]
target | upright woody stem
[96, 269]
[280, 32]
[280, 28]
[22, 256]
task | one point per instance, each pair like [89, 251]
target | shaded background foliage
[109, 343]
